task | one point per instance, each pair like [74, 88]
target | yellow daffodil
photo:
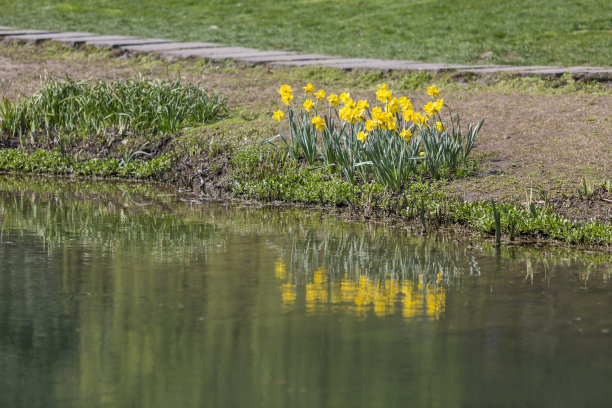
[363, 105]
[393, 105]
[320, 95]
[309, 88]
[319, 123]
[419, 119]
[405, 104]
[278, 115]
[333, 100]
[346, 114]
[362, 136]
[429, 109]
[383, 94]
[344, 96]
[376, 112]
[308, 104]
[407, 114]
[370, 125]
[405, 134]
[284, 89]
[349, 103]
[358, 115]
[440, 127]
[433, 91]
[287, 98]
[438, 105]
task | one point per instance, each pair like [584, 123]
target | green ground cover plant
[454, 31]
[54, 162]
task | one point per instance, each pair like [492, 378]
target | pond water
[123, 295]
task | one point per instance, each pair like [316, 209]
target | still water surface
[119, 295]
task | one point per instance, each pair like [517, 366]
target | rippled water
[120, 295]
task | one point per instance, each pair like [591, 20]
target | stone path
[173, 50]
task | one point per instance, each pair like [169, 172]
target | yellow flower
[320, 94]
[278, 116]
[358, 114]
[433, 91]
[422, 154]
[419, 119]
[287, 98]
[349, 103]
[363, 105]
[362, 136]
[383, 94]
[346, 114]
[309, 88]
[407, 114]
[319, 123]
[405, 104]
[370, 125]
[376, 112]
[429, 109]
[333, 100]
[284, 89]
[405, 133]
[440, 126]
[308, 104]
[344, 96]
[438, 105]
[393, 105]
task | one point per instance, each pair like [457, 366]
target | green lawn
[550, 32]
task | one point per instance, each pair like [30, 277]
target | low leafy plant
[54, 162]
[388, 143]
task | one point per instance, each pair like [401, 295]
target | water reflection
[359, 294]
[127, 298]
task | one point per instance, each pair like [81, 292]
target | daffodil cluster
[394, 114]
[355, 137]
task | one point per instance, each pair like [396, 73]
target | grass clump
[97, 107]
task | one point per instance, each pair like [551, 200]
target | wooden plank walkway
[172, 50]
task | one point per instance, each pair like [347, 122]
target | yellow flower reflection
[361, 295]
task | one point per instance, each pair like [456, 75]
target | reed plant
[97, 107]
[389, 142]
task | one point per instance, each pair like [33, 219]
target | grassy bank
[540, 190]
[457, 31]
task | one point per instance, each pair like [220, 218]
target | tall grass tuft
[96, 107]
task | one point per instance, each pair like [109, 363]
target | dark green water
[117, 295]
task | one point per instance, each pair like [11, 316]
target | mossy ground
[542, 140]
